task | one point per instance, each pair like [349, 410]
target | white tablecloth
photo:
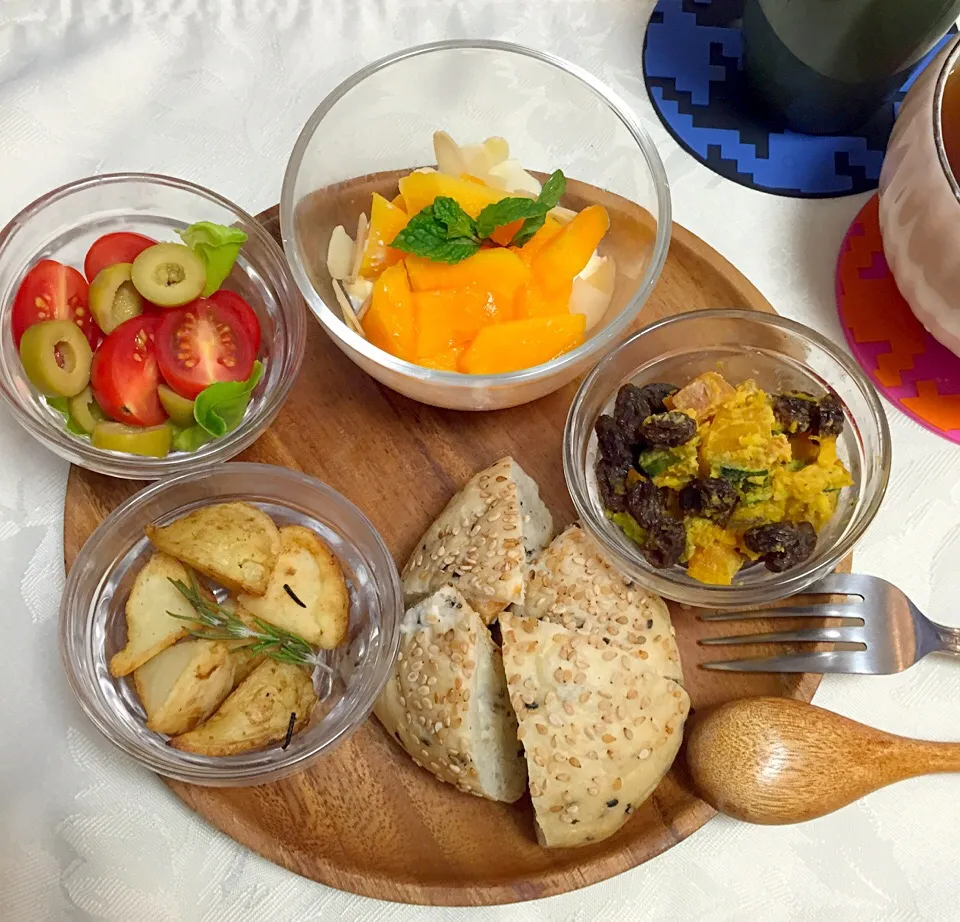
[217, 92]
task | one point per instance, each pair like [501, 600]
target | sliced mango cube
[452, 317]
[551, 228]
[567, 255]
[386, 221]
[420, 189]
[389, 322]
[522, 343]
[495, 270]
[398, 202]
[443, 361]
[536, 300]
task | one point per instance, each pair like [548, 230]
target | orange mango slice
[495, 270]
[389, 321]
[522, 343]
[398, 202]
[569, 252]
[452, 317]
[537, 300]
[503, 235]
[443, 361]
[420, 189]
[386, 221]
[551, 228]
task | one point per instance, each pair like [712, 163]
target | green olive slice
[56, 357]
[169, 274]
[113, 297]
[85, 411]
[152, 441]
[179, 409]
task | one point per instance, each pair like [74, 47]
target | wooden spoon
[775, 760]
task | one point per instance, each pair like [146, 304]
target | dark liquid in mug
[950, 122]
[828, 66]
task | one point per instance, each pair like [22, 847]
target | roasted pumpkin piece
[567, 255]
[712, 555]
[536, 300]
[389, 321]
[452, 317]
[386, 221]
[420, 189]
[522, 343]
[447, 360]
[551, 229]
[496, 270]
[703, 395]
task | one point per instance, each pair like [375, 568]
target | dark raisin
[689, 498]
[612, 485]
[612, 802]
[630, 410]
[667, 430]
[782, 545]
[665, 543]
[829, 417]
[656, 394]
[718, 497]
[644, 503]
[610, 439]
[795, 412]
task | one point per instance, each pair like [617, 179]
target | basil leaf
[425, 236]
[449, 213]
[62, 406]
[219, 407]
[506, 211]
[553, 190]
[217, 246]
[191, 439]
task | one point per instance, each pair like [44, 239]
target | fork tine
[847, 661]
[808, 635]
[797, 611]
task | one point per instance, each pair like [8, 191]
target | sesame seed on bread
[599, 730]
[446, 701]
[571, 584]
[482, 541]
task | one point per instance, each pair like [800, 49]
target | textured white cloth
[217, 93]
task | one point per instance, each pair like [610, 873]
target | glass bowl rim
[231, 770]
[943, 76]
[352, 340]
[133, 467]
[792, 581]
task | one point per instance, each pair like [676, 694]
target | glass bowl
[779, 355]
[554, 115]
[62, 224]
[93, 627]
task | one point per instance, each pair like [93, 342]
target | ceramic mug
[920, 205]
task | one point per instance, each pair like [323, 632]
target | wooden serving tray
[366, 819]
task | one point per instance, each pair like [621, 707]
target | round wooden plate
[366, 819]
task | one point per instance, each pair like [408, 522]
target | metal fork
[891, 630]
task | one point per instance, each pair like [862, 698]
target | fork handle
[948, 639]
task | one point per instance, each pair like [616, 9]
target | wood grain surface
[366, 819]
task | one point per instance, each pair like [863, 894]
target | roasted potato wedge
[307, 593]
[149, 628]
[233, 543]
[184, 684]
[256, 714]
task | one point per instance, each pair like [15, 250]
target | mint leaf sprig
[444, 232]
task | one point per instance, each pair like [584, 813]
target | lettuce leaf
[219, 407]
[217, 246]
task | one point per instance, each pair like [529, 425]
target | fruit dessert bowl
[485, 275]
[147, 325]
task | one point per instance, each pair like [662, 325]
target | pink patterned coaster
[910, 368]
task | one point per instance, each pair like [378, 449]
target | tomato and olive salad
[146, 354]
[716, 477]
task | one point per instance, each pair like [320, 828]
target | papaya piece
[551, 228]
[452, 317]
[389, 321]
[535, 300]
[522, 343]
[496, 270]
[567, 255]
[420, 189]
[386, 221]
[443, 361]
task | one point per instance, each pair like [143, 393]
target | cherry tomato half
[201, 343]
[121, 247]
[53, 291]
[247, 315]
[124, 376]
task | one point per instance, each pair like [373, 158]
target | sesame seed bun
[599, 730]
[482, 541]
[571, 584]
[446, 701]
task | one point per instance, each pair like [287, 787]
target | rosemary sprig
[221, 624]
